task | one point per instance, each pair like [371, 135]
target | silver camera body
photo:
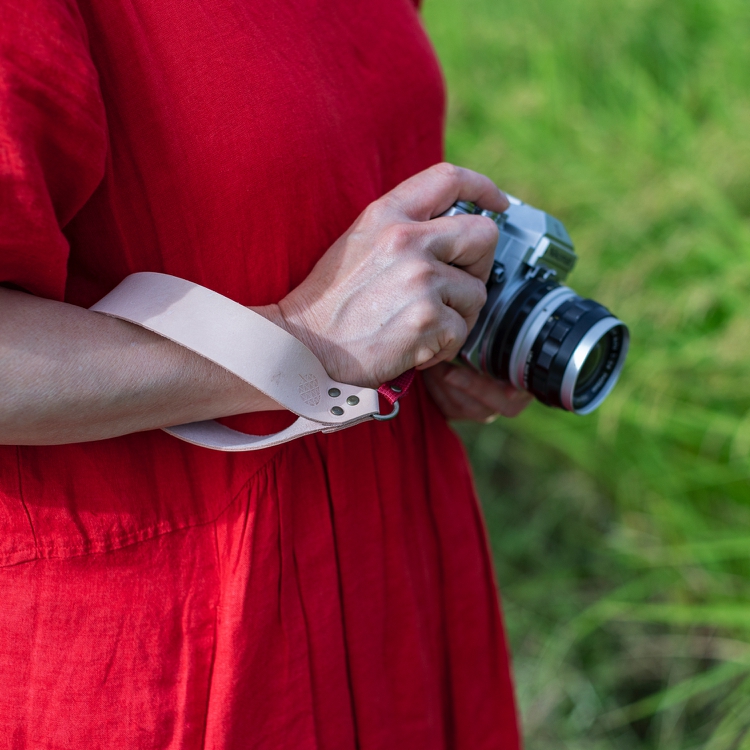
[533, 331]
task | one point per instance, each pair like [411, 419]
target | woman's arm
[71, 375]
[396, 291]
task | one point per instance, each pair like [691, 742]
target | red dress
[335, 592]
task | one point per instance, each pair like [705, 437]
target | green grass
[622, 539]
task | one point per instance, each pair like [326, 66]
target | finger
[434, 191]
[454, 403]
[463, 406]
[501, 398]
[463, 293]
[443, 340]
[468, 242]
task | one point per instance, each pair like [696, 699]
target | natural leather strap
[246, 344]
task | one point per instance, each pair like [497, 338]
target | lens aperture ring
[555, 344]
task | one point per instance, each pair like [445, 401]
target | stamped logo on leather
[309, 390]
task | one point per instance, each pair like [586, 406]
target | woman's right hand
[400, 288]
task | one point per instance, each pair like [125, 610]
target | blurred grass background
[622, 539]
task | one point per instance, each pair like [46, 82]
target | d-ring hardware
[386, 417]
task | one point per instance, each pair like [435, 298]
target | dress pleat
[334, 593]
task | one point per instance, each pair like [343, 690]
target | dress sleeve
[53, 138]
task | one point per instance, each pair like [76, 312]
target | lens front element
[595, 366]
[592, 365]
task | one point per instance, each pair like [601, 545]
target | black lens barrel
[527, 298]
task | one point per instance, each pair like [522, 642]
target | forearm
[400, 289]
[70, 375]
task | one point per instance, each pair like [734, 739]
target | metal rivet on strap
[352, 401]
[396, 388]
[334, 393]
[337, 411]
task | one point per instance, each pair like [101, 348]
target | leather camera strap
[251, 347]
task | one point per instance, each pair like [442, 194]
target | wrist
[272, 313]
[286, 315]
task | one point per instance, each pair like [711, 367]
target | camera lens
[592, 370]
[592, 366]
[565, 350]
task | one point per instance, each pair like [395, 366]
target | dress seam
[128, 540]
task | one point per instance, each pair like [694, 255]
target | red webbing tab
[394, 389]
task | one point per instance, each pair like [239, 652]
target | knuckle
[420, 275]
[423, 355]
[399, 236]
[454, 333]
[480, 294]
[448, 170]
[474, 296]
[376, 211]
[424, 315]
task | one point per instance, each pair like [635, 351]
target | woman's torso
[242, 139]
[333, 593]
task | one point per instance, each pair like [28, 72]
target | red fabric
[335, 592]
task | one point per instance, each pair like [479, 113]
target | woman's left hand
[462, 393]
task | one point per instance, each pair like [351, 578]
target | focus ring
[518, 311]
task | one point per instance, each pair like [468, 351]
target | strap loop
[394, 389]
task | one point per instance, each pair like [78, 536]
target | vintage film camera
[534, 332]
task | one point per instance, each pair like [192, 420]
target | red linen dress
[334, 592]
